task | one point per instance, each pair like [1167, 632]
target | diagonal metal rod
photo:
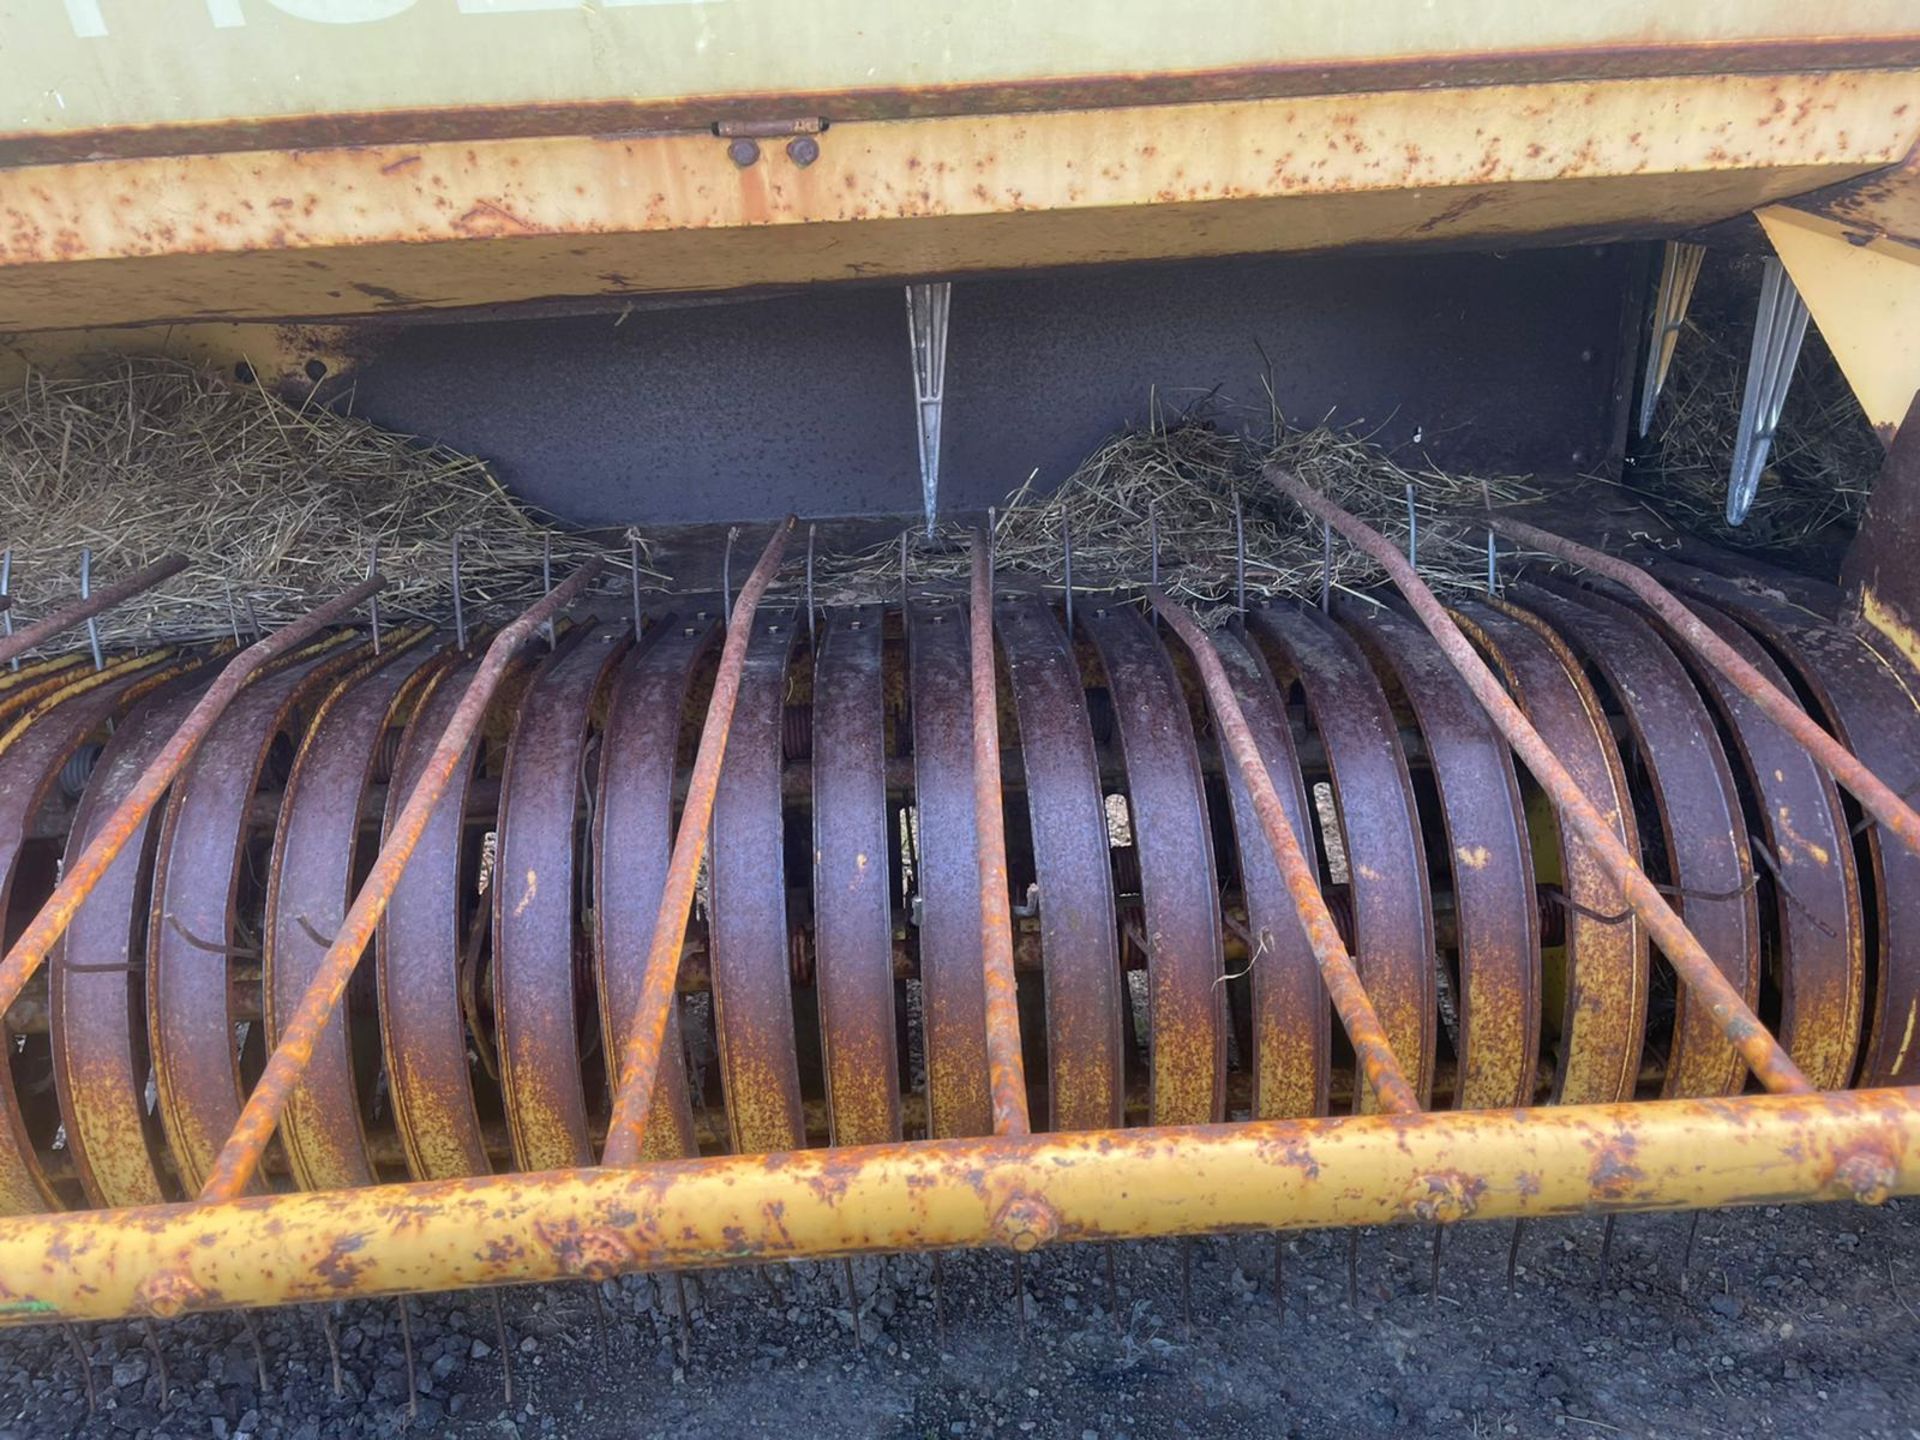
[100, 601]
[1350, 999]
[1737, 1022]
[79, 878]
[1874, 794]
[1006, 1066]
[240, 1156]
[647, 1034]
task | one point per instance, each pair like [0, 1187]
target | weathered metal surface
[97, 1007]
[747, 907]
[1085, 993]
[1701, 825]
[1489, 859]
[1373, 797]
[633, 843]
[30, 766]
[83, 872]
[420, 949]
[947, 872]
[1770, 1064]
[1291, 1020]
[1875, 713]
[369, 229]
[536, 1007]
[640, 1060]
[1878, 571]
[1167, 805]
[1599, 1023]
[1388, 1085]
[32, 636]
[309, 884]
[1821, 968]
[206, 839]
[240, 1156]
[853, 880]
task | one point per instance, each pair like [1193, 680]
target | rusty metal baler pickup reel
[440, 892]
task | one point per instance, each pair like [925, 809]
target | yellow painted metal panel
[274, 235]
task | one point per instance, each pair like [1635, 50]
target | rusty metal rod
[88, 606]
[1874, 795]
[1742, 1028]
[1350, 1001]
[239, 1157]
[80, 877]
[1017, 1191]
[647, 1034]
[1006, 1066]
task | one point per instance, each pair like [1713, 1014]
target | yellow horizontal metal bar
[1020, 1192]
[378, 229]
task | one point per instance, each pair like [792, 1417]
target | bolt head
[803, 150]
[742, 151]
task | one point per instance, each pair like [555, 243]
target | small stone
[479, 1350]
[1725, 1305]
[129, 1370]
[529, 1345]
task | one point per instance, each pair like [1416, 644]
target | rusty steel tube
[1742, 1028]
[1006, 1067]
[1874, 795]
[1017, 1191]
[98, 603]
[83, 874]
[1350, 1000]
[647, 1035]
[239, 1157]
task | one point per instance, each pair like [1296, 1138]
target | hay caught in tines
[1180, 480]
[276, 505]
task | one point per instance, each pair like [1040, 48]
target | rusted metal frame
[1085, 990]
[640, 1057]
[633, 844]
[1872, 705]
[1817, 905]
[240, 1156]
[199, 862]
[1396, 1095]
[1291, 1017]
[1380, 824]
[747, 932]
[852, 880]
[30, 767]
[535, 1004]
[1770, 1064]
[97, 603]
[1489, 858]
[953, 1003]
[1606, 962]
[1173, 839]
[1705, 831]
[309, 885]
[79, 878]
[1874, 795]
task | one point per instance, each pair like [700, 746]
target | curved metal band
[747, 908]
[953, 1004]
[1872, 708]
[309, 886]
[852, 907]
[633, 840]
[536, 1006]
[1602, 990]
[1489, 856]
[1373, 794]
[1292, 1018]
[1086, 1072]
[1708, 854]
[204, 846]
[1167, 803]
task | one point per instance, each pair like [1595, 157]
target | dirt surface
[1791, 1322]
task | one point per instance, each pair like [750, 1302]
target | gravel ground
[1791, 1322]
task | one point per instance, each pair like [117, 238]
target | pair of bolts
[803, 150]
